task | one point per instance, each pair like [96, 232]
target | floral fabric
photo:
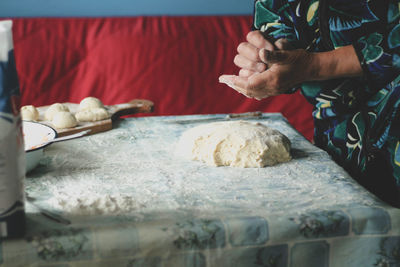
[353, 116]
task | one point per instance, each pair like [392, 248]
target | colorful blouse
[353, 116]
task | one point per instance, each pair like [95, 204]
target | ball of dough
[53, 109]
[64, 119]
[29, 113]
[95, 114]
[235, 143]
[90, 103]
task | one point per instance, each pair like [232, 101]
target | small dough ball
[53, 109]
[94, 114]
[64, 119]
[90, 103]
[235, 143]
[29, 113]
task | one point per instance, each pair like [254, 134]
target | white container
[12, 152]
[37, 136]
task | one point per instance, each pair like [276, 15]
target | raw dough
[90, 103]
[235, 143]
[29, 113]
[53, 109]
[64, 119]
[94, 114]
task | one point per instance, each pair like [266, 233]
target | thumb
[283, 44]
[271, 57]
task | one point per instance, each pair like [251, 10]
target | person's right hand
[248, 59]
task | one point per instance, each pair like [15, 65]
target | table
[167, 211]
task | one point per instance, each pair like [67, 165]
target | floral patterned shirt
[344, 109]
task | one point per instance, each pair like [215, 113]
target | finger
[249, 51]
[271, 57]
[242, 84]
[227, 79]
[230, 80]
[236, 82]
[252, 88]
[245, 73]
[245, 63]
[246, 85]
[257, 39]
[283, 44]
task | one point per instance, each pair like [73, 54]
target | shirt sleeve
[273, 18]
[379, 50]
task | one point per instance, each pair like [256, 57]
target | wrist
[342, 62]
[315, 71]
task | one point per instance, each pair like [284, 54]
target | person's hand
[286, 69]
[248, 59]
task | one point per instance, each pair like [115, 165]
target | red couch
[173, 61]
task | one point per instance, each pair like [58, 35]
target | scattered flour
[89, 204]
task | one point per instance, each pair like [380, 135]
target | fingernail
[265, 53]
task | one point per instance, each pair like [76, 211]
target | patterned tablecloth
[161, 210]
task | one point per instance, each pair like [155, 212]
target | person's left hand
[287, 68]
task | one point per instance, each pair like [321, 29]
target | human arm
[288, 68]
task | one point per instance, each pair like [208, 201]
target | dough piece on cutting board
[94, 114]
[235, 143]
[64, 119]
[90, 103]
[29, 113]
[53, 109]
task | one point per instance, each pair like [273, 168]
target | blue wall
[100, 8]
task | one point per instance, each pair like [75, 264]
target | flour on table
[235, 143]
[95, 204]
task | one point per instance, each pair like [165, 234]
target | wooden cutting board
[116, 111]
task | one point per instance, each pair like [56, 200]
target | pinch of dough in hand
[64, 119]
[94, 114]
[90, 103]
[53, 109]
[29, 113]
[235, 143]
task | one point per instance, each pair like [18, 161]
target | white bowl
[36, 137]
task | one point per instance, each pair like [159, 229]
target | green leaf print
[372, 50]
[396, 61]
[397, 154]
[394, 37]
[340, 131]
[393, 11]
[263, 14]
